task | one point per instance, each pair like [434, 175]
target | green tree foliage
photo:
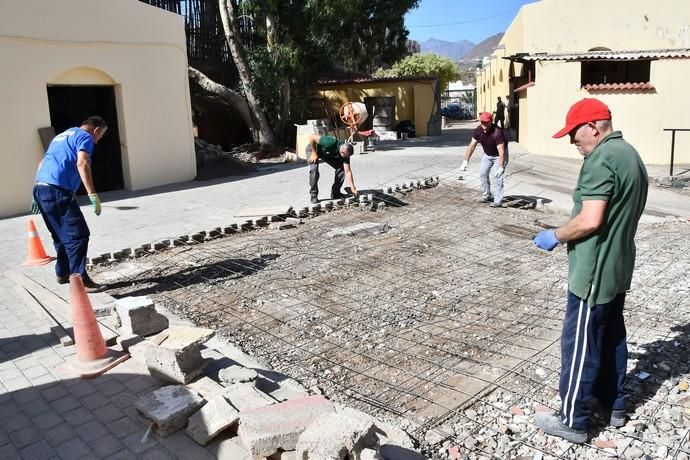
[427, 64]
[299, 41]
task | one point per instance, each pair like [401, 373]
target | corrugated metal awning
[678, 53]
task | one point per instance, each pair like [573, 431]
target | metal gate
[460, 104]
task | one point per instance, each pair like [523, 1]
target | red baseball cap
[584, 111]
[484, 117]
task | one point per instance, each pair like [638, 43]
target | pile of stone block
[244, 413]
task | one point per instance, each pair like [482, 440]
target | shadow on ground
[214, 272]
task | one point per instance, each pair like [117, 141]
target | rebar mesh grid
[444, 322]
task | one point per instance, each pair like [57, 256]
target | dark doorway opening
[69, 106]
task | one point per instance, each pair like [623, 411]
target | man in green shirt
[609, 198]
[337, 154]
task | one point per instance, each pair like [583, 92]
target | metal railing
[673, 144]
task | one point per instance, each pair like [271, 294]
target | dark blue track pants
[67, 226]
[594, 357]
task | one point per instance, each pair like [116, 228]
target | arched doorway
[75, 95]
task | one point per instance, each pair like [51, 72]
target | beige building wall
[560, 26]
[136, 48]
[414, 100]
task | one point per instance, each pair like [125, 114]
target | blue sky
[454, 20]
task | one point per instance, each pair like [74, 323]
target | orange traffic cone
[37, 255]
[93, 357]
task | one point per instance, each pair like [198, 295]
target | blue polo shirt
[59, 165]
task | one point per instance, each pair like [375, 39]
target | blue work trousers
[67, 226]
[594, 357]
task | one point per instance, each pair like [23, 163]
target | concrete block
[280, 226]
[227, 448]
[246, 396]
[138, 316]
[336, 437]
[181, 240]
[126, 341]
[293, 220]
[198, 237]
[230, 229]
[169, 407]
[267, 429]
[237, 374]
[207, 387]
[161, 245]
[122, 254]
[137, 351]
[215, 232]
[177, 358]
[216, 415]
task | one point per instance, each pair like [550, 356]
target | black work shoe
[551, 424]
[616, 417]
[91, 286]
[314, 200]
[496, 205]
[62, 279]
[487, 200]
[338, 196]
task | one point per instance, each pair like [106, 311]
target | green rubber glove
[96, 202]
[34, 209]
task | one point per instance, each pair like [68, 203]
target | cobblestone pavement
[44, 415]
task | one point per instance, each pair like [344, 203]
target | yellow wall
[414, 100]
[554, 26]
[138, 49]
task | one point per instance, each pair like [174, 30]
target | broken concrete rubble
[138, 316]
[265, 430]
[169, 407]
[237, 374]
[337, 437]
[215, 416]
[177, 358]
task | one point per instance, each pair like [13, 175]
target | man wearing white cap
[609, 198]
[495, 158]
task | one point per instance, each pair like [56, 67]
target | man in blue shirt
[65, 166]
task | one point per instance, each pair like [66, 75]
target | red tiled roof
[619, 87]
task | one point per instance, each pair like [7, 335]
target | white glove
[464, 165]
[500, 171]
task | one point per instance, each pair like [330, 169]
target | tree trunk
[227, 15]
[284, 90]
[233, 98]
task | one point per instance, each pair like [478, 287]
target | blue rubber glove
[96, 202]
[546, 239]
[34, 209]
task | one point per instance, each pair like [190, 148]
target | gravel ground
[445, 323]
